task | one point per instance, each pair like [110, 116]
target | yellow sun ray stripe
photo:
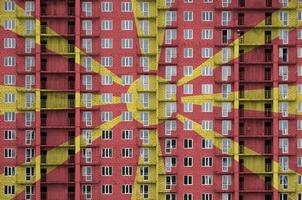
[253, 99]
[60, 47]
[55, 100]
[251, 166]
[251, 37]
[53, 157]
[156, 37]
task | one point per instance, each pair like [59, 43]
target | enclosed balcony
[57, 119]
[56, 100]
[58, 9]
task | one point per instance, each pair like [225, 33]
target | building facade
[150, 99]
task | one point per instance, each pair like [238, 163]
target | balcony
[71, 177]
[71, 195]
[71, 159]
[268, 167]
[43, 195]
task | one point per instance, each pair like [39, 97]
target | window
[9, 97]
[106, 171]
[188, 52]
[206, 161]
[206, 88]
[207, 34]
[299, 15]
[107, 61]
[206, 52]
[9, 61]
[87, 8]
[87, 118]
[188, 161]
[9, 43]
[188, 125]
[126, 116]
[284, 181]
[9, 6]
[127, 189]
[283, 145]
[87, 45]
[283, 35]
[188, 15]
[170, 125]
[127, 43]
[9, 171]
[9, 80]
[106, 6]
[299, 52]
[206, 180]
[126, 171]
[107, 43]
[226, 145]
[171, 34]
[9, 116]
[87, 191]
[188, 70]
[169, 145]
[126, 98]
[106, 134]
[106, 98]
[107, 153]
[206, 143]
[127, 134]
[87, 173]
[126, 61]
[107, 189]
[144, 63]
[106, 80]
[127, 79]
[127, 153]
[106, 116]
[188, 143]
[207, 16]
[86, 62]
[106, 25]
[225, 18]
[188, 180]
[188, 107]
[207, 107]
[144, 136]
[207, 125]
[188, 34]
[144, 8]
[226, 181]
[284, 18]
[206, 196]
[226, 54]
[207, 71]
[87, 27]
[9, 153]
[126, 7]
[29, 7]
[9, 134]
[144, 154]
[87, 136]
[188, 196]
[127, 25]
[9, 189]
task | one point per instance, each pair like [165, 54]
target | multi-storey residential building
[150, 99]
